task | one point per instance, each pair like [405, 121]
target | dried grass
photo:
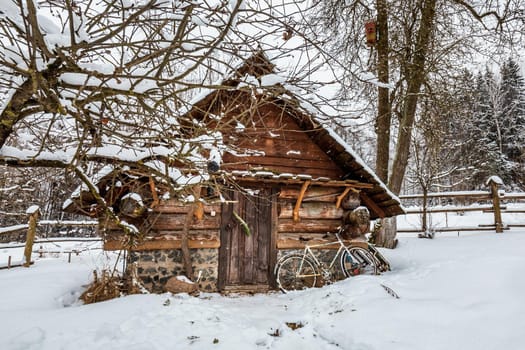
[106, 287]
[109, 286]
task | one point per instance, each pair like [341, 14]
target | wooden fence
[493, 201]
[30, 232]
[42, 251]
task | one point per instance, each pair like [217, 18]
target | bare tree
[418, 41]
[431, 166]
[88, 84]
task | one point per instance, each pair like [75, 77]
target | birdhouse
[371, 32]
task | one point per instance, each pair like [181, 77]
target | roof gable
[284, 124]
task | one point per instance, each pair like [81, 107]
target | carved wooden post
[33, 213]
[494, 182]
[192, 212]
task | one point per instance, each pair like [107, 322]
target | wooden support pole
[33, 213]
[154, 195]
[299, 201]
[186, 255]
[494, 189]
[341, 197]
[199, 211]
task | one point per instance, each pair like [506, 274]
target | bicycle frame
[300, 270]
[325, 270]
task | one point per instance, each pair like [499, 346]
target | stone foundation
[155, 267]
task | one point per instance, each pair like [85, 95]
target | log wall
[164, 228]
[298, 222]
[318, 216]
[284, 147]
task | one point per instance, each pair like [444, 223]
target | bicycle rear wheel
[358, 261]
[295, 272]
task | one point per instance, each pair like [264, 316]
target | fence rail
[42, 251]
[493, 201]
[41, 223]
[452, 194]
[452, 209]
[33, 214]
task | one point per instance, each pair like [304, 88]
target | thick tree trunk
[386, 235]
[23, 99]
[12, 112]
[384, 108]
[416, 77]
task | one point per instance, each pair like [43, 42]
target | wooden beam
[181, 208]
[311, 210]
[161, 244]
[297, 244]
[299, 201]
[314, 193]
[309, 225]
[153, 193]
[341, 196]
[329, 183]
[372, 205]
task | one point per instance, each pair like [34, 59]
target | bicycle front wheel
[358, 261]
[295, 272]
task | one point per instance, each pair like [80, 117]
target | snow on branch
[119, 83]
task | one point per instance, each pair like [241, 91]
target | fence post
[33, 213]
[494, 182]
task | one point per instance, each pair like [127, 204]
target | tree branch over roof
[480, 16]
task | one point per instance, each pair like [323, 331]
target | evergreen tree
[512, 117]
[496, 129]
[483, 129]
[459, 129]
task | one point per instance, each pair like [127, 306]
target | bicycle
[297, 271]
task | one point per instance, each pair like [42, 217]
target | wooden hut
[285, 179]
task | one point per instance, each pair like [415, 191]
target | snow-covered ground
[456, 292]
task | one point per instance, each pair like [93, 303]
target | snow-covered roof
[259, 71]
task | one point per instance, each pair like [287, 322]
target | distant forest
[473, 129]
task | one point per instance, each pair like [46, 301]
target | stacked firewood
[356, 218]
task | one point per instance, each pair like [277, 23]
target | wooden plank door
[246, 253]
